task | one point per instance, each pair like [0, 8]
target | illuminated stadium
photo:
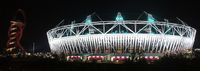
[122, 37]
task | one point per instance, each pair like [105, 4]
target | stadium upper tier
[121, 36]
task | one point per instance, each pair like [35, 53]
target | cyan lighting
[119, 17]
[150, 18]
[88, 20]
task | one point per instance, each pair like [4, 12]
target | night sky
[43, 15]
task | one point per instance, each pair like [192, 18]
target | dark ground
[40, 64]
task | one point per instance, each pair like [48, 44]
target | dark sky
[43, 15]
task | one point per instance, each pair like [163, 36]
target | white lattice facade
[126, 36]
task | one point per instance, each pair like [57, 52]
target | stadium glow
[121, 36]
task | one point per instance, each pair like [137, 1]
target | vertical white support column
[114, 46]
[140, 44]
[104, 42]
[122, 42]
[136, 42]
[98, 43]
[176, 44]
[74, 46]
[165, 42]
[171, 46]
[90, 43]
[78, 44]
[145, 43]
[101, 42]
[118, 42]
[131, 43]
[153, 44]
[72, 43]
[108, 42]
[161, 45]
[135, 26]
[127, 43]
[81, 45]
[167, 47]
[70, 46]
[66, 45]
[180, 45]
[149, 43]
[104, 29]
[95, 43]
[158, 40]
[61, 46]
[86, 44]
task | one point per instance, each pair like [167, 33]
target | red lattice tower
[15, 33]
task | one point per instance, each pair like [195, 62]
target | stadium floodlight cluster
[121, 36]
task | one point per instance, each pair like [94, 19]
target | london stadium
[122, 37]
